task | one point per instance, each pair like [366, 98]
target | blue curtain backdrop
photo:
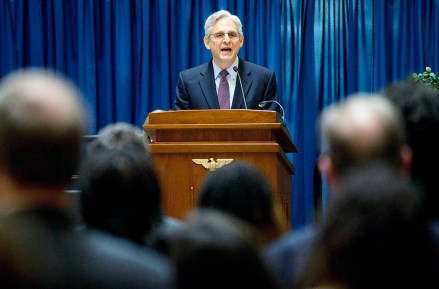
[125, 55]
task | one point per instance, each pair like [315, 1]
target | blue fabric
[332, 48]
[125, 55]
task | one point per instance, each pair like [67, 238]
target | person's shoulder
[287, 254]
[434, 230]
[292, 242]
[134, 262]
[89, 258]
[123, 249]
[170, 225]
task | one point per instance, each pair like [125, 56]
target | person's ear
[207, 42]
[241, 41]
[327, 170]
[406, 158]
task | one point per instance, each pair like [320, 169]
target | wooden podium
[179, 138]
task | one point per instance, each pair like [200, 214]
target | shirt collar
[217, 69]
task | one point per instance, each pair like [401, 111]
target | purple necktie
[223, 91]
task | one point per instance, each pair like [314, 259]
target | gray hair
[362, 127]
[42, 118]
[213, 18]
[120, 136]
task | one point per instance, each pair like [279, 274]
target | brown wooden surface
[177, 137]
[223, 116]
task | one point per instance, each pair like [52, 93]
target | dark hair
[374, 235]
[120, 191]
[212, 251]
[242, 190]
[419, 106]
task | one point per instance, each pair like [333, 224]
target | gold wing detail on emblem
[212, 164]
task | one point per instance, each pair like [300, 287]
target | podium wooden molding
[177, 137]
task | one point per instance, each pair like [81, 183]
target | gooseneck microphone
[264, 104]
[235, 68]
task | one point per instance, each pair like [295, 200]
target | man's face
[224, 42]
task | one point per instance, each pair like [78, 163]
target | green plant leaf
[428, 77]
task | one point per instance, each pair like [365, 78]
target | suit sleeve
[182, 101]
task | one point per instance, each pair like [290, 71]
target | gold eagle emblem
[212, 164]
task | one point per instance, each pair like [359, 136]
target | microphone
[264, 104]
[235, 68]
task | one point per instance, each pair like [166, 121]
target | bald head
[365, 127]
[41, 123]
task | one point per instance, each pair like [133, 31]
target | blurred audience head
[119, 187]
[374, 234]
[242, 190]
[360, 129]
[42, 119]
[215, 250]
[41, 123]
[419, 106]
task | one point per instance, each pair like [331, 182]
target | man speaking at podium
[225, 82]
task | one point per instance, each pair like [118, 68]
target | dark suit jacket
[39, 249]
[287, 254]
[196, 87]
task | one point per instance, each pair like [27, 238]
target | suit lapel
[208, 87]
[245, 73]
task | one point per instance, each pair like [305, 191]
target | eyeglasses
[222, 35]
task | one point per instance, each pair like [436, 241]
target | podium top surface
[213, 116]
[217, 125]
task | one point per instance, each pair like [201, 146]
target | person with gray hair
[41, 123]
[355, 132]
[363, 128]
[226, 81]
[42, 119]
[374, 235]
